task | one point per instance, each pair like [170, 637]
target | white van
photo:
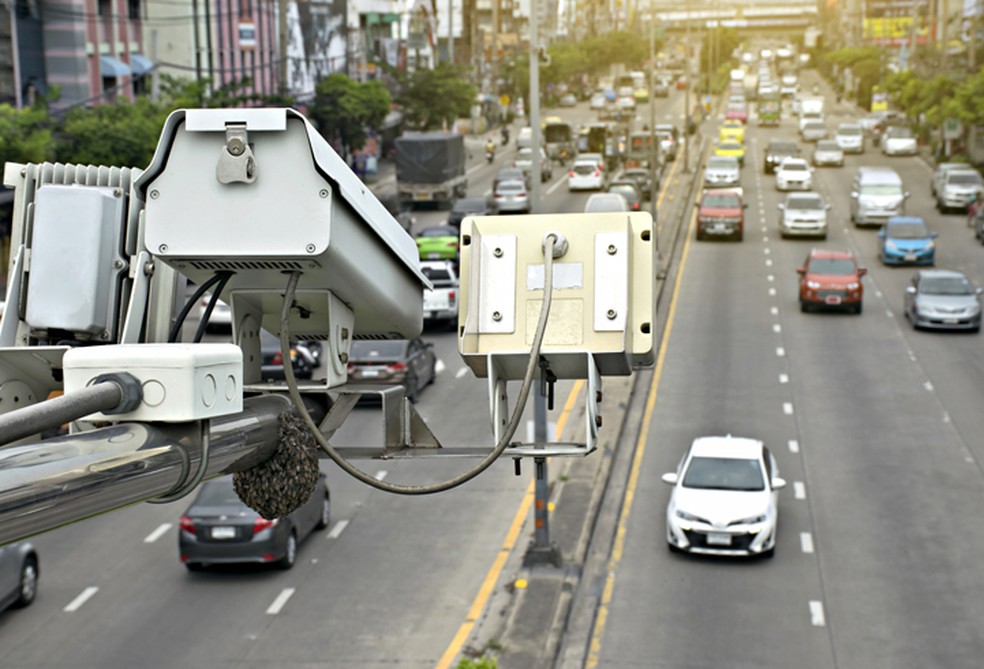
[525, 138]
[877, 194]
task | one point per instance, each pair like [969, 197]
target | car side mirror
[801, 271]
[778, 483]
[912, 290]
[934, 235]
[827, 207]
[781, 206]
[744, 205]
[671, 478]
[906, 194]
[862, 271]
[881, 233]
[979, 290]
[854, 193]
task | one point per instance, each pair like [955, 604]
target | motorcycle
[505, 136]
[489, 155]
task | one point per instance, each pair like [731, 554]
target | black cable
[203, 323]
[186, 309]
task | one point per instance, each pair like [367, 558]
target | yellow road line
[488, 584]
[623, 521]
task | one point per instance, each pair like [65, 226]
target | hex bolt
[343, 358]
[598, 420]
[497, 252]
[154, 194]
[310, 248]
[612, 250]
[611, 314]
[104, 334]
[496, 316]
[598, 396]
[323, 192]
[117, 192]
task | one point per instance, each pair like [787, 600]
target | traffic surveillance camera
[258, 193]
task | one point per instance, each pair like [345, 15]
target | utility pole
[687, 72]
[282, 36]
[653, 145]
[451, 32]
[542, 551]
[494, 52]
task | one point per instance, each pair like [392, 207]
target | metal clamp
[199, 475]
[236, 163]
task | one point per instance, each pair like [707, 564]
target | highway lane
[388, 583]
[874, 427]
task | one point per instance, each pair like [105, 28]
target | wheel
[768, 554]
[194, 566]
[857, 308]
[325, 517]
[699, 237]
[28, 588]
[672, 548]
[290, 552]
[433, 375]
[740, 235]
[804, 307]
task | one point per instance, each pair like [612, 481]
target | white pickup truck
[441, 302]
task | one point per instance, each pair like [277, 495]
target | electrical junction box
[603, 294]
[180, 382]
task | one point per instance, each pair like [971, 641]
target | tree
[25, 135]
[124, 133]
[345, 110]
[433, 99]
[866, 64]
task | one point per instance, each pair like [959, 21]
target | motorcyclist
[505, 135]
[489, 150]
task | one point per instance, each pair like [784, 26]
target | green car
[438, 243]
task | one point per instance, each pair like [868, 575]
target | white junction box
[180, 382]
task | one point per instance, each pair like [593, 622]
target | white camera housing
[260, 193]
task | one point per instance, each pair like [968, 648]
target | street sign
[952, 129]
[504, 100]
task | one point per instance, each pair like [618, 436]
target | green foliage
[866, 64]
[25, 135]
[434, 98]
[124, 133]
[484, 662]
[344, 110]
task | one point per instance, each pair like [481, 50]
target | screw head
[310, 248]
[162, 248]
[236, 146]
[612, 250]
[118, 264]
[117, 192]
[496, 316]
[323, 192]
[497, 252]
[343, 358]
[611, 314]
[598, 421]
[154, 194]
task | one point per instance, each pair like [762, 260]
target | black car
[628, 189]
[304, 356]
[469, 206]
[776, 151]
[218, 528]
[643, 179]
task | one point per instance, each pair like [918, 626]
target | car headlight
[853, 286]
[684, 515]
[813, 284]
[890, 245]
[751, 520]
[930, 245]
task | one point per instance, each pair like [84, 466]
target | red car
[738, 112]
[831, 279]
[721, 213]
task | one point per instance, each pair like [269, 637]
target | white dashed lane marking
[784, 378]
[806, 542]
[776, 328]
[439, 366]
[772, 292]
[794, 446]
[280, 601]
[774, 311]
[337, 530]
[83, 597]
[461, 372]
[780, 351]
[799, 490]
[816, 614]
[787, 408]
[157, 534]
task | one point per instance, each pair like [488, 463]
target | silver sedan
[943, 300]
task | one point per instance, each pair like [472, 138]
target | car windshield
[794, 167]
[849, 130]
[218, 493]
[367, 350]
[584, 168]
[724, 201]
[946, 285]
[832, 266]
[724, 474]
[899, 133]
[439, 232]
[613, 202]
[882, 189]
[965, 179]
[827, 145]
[907, 230]
[722, 164]
[801, 203]
[624, 189]
[511, 187]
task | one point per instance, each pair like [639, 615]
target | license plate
[370, 373]
[951, 321]
[223, 532]
[910, 257]
[421, 196]
[718, 539]
[720, 227]
[434, 256]
[833, 299]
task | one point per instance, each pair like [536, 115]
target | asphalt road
[875, 426]
[388, 584]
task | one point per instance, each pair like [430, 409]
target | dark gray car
[219, 529]
[19, 572]
[410, 363]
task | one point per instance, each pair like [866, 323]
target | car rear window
[849, 130]
[435, 274]
[946, 285]
[447, 231]
[827, 145]
[366, 350]
[511, 187]
[218, 493]
[584, 169]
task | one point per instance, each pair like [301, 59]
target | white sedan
[585, 175]
[794, 174]
[899, 141]
[725, 498]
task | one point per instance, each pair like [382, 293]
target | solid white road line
[337, 530]
[784, 378]
[550, 191]
[157, 534]
[461, 372]
[806, 542]
[816, 613]
[85, 596]
[794, 446]
[787, 408]
[799, 490]
[280, 601]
